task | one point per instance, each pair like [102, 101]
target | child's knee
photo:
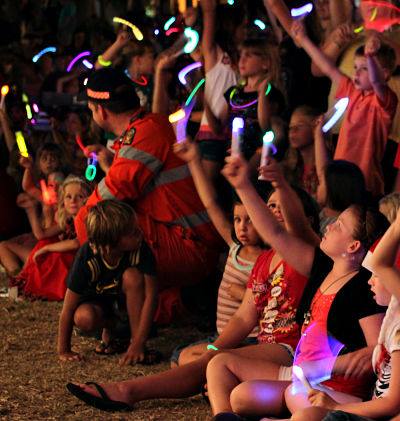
[239, 398]
[216, 364]
[187, 355]
[85, 319]
[132, 279]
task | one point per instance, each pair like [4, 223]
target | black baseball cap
[111, 86]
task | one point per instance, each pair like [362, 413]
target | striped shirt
[237, 271]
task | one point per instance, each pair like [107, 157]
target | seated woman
[276, 343]
[336, 297]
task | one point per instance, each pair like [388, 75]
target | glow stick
[136, 31]
[260, 24]
[301, 11]
[80, 143]
[156, 31]
[5, 89]
[36, 57]
[87, 64]
[48, 194]
[182, 74]
[178, 115]
[359, 29]
[182, 123]
[193, 93]
[25, 97]
[171, 31]
[19, 137]
[268, 138]
[91, 169]
[338, 110]
[298, 371]
[77, 58]
[193, 40]
[28, 111]
[237, 133]
[231, 2]
[169, 22]
[35, 108]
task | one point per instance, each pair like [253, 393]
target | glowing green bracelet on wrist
[211, 346]
[102, 62]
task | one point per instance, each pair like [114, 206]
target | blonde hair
[107, 222]
[62, 216]
[392, 204]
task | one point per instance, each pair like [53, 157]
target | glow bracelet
[36, 57]
[77, 58]
[102, 62]
[212, 347]
[169, 22]
[193, 40]
[91, 169]
[260, 24]
[187, 69]
[136, 31]
[193, 93]
[237, 133]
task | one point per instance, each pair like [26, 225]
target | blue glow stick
[237, 133]
[338, 110]
[182, 123]
[87, 64]
[182, 74]
[169, 22]
[193, 40]
[268, 138]
[260, 24]
[37, 56]
[301, 11]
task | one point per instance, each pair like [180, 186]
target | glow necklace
[249, 104]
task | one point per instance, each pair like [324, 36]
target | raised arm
[317, 56]
[375, 71]
[263, 106]
[188, 151]
[28, 184]
[295, 251]
[384, 258]
[340, 12]
[208, 45]
[279, 9]
[322, 159]
[292, 210]
[114, 49]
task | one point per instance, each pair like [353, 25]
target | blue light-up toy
[91, 169]
[237, 134]
[37, 56]
[302, 11]
[193, 39]
[268, 138]
[189, 68]
[334, 114]
[260, 24]
[169, 22]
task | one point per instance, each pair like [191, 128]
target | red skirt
[45, 278]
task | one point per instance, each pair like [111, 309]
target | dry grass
[32, 380]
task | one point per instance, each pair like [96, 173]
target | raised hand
[298, 31]
[272, 172]
[236, 171]
[187, 150]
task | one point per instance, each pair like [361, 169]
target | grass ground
[32, 380]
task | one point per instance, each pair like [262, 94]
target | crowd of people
[113, 204]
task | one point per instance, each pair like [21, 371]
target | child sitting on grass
[113, 270]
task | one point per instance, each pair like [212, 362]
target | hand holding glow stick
[268, 138]
[237, 135]
[48, 194]
[298, 371]
[19, 137]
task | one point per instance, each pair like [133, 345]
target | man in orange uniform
[146, 173]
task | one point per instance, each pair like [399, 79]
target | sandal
[114, 346]
[103, 402]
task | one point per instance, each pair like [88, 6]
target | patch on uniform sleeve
[129, 135]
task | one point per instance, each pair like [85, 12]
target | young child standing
[371, 108]
[115, 267]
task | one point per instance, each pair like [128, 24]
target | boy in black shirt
[114, 265]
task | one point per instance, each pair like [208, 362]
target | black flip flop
[104, 402]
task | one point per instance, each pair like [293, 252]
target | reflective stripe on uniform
[169, 176]
[193, 220]
[104, 191]
[147, 159]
